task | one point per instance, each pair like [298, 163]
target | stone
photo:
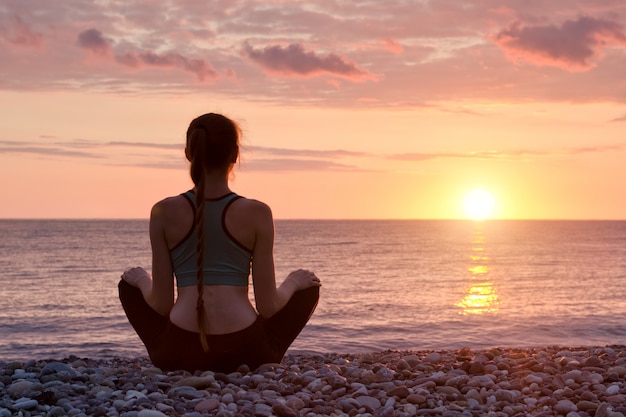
[315, 385]
[206, 406]
[483, 381]
[416, 399]
[58, 368]
[55, 411]
[282, 410]
[509, 396]
[585, 405]
[134, 394]
[565, 406]
[21, 389]
[573, 374]
[368, 402]
[433, 357]
[184, 391]
[619, 370]
[21, 374]
[198, 382]
[348, 404]
[612, 390]
[262, 410]
[150, 413]
[25, 404]
[402, 365]
[531, 378]
[295, 403]
[476, 368]
[448, 390]
[458, 380]
[412, 360]
[400, 392]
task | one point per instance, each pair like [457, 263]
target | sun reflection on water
[480, 293]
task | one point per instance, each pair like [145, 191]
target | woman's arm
[269, 299]
[161, 298]
[158, 290]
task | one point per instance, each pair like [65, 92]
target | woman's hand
[137, 277]
[303, 279]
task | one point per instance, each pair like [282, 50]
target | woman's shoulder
[253, 207]
[171, 206]
[248, 210]
[252, 204]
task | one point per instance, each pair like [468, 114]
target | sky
[349, 109]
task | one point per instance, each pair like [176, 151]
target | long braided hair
[212, 145]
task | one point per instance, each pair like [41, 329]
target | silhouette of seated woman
[207, 241]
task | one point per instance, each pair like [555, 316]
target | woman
[207, 240]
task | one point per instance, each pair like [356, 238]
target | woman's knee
[127, 291]
[311, 294]
[303, 302]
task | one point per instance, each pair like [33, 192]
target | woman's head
[212, 144]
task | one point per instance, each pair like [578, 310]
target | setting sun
[479, 204]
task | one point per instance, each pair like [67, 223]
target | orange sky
[348, 110]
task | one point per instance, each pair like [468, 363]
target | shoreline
[540, 381]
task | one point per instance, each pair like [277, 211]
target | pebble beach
[550, 381]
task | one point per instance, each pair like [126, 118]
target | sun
[479, 204]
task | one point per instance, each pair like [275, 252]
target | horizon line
[324, 219]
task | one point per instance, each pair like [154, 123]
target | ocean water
[389, 284]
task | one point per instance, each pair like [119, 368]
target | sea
[386, 284]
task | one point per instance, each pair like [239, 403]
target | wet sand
[548, 381]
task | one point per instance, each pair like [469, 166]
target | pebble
[150, 413]
[548, 381]
[612, 390]
[24, 404]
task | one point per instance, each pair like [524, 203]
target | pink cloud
[19, 33]
[393, 46]
[201, 68]
[571, 46]
[492, 154]
[294, 60]
[92, 40]
[507, 154]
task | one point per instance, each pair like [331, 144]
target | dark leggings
[171, 347]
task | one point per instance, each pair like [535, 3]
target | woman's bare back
[228, 308]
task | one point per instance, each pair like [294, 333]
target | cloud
[317, 54]
[171, 156]
[33, 148]
[176, 146]
[285, 164]
[571, 46]
[463, 155]
[619, 119]
[295, 60]
[393, 45]
[286, 159]
[17, 32]
[596, 149]
[506, 155]
[92, 39]
[88, 149]
[201, 68]
[307, 152]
